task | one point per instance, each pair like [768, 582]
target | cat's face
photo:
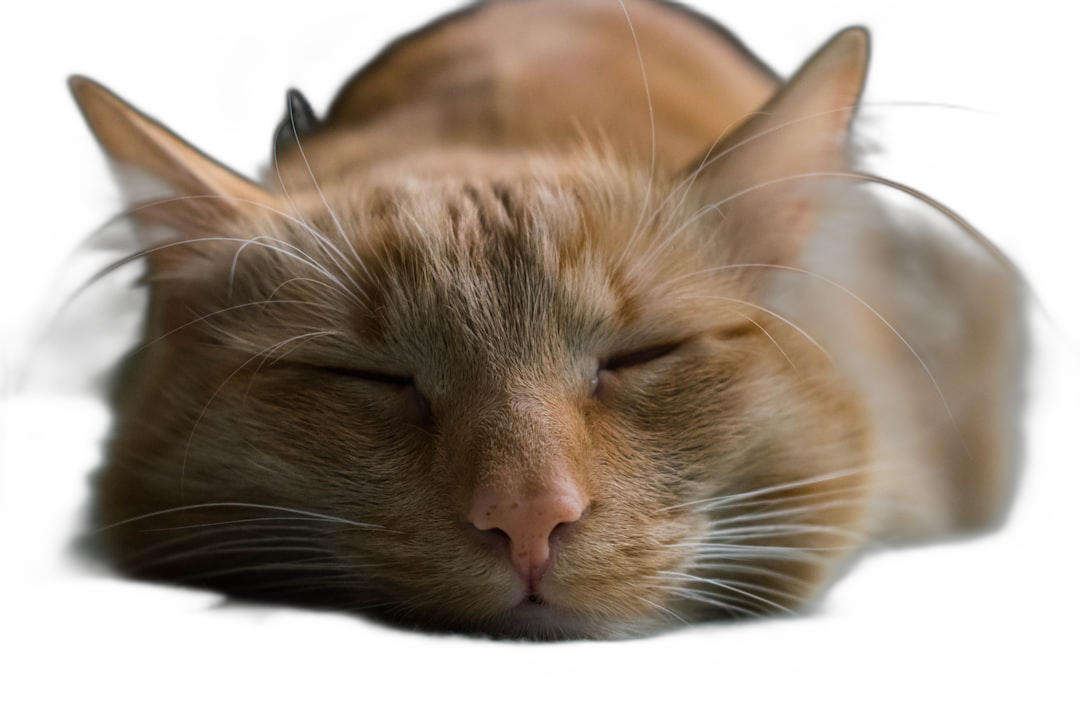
[525, 393]
[476, 337]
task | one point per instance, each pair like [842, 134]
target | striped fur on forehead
[583, 239]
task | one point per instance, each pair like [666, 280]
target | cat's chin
[537, 618]
[534, 618]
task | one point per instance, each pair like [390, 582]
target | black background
[966, 108]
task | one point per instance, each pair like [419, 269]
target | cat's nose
[531, 521]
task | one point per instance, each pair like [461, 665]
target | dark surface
[960, 111]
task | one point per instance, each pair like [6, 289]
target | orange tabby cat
[568, 320]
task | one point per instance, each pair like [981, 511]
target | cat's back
[535, 73]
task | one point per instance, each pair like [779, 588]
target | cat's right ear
[769, 178]
[173, 190]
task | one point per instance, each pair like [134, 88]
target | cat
[569, 319]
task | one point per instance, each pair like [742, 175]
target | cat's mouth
[534, 605]
[535, 617]
[538, 618]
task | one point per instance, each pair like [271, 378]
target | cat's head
[540, 394]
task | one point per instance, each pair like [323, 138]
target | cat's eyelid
[369, 375]
[639, 357]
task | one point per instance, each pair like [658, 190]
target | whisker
[652, 127]
[246, 505]
[222, 311]
[687, 184]
[729, 587]
[726, 500]
[718, 600]
[665, 610]
[311, 174]
[896, 333]
[781, 318]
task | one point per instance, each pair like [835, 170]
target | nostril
[561, 529]
[495, 537]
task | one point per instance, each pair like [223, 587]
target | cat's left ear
[174, 191]
[151, 161]
[769, 178]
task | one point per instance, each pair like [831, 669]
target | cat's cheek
[404, 405]
[292, 415]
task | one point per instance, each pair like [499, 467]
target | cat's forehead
[498, 257]
[552, 245]
[526, 262]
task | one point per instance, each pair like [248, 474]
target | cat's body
[518, 342]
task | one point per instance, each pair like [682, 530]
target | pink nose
[529, 521]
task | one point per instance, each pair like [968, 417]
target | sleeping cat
[569, 319]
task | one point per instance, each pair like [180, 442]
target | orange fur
[487, 274]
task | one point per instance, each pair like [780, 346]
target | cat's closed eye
[627, 361]
[370, 376]
[397, 394]
[643, 356]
